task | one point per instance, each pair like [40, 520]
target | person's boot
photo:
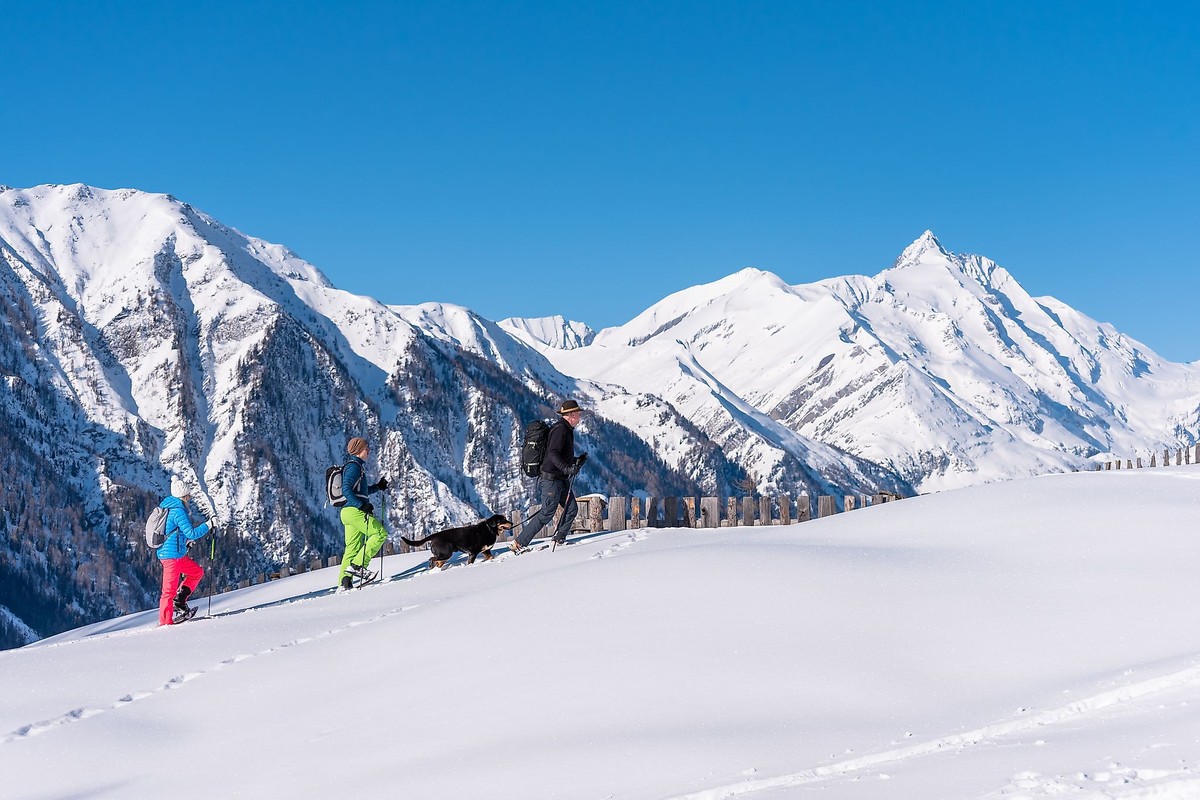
[181, 597]
[347, 584]
[183, 612]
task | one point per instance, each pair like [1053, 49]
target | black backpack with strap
[533, 447]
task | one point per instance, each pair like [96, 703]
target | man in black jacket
[559, 468]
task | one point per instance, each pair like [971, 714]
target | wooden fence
[598, 513]
[1182, 455]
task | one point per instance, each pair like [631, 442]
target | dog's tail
[417, 542]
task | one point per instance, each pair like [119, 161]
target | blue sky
[533, 158]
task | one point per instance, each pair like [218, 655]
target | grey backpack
[156, 528]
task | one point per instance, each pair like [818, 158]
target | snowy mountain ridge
[941, 368]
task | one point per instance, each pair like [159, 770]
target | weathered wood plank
[747, 510]
[616, 513]
[689, 512]
[826, 506]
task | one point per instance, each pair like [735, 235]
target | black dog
[473, 539]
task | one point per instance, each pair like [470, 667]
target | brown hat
[568, 407]
[356, 445]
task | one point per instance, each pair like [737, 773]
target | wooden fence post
[764, 510]
[850, 502]
[635, 512]
[595, 515]
[616, 513]
[1139, 464]
[689, 513]
[670, 512]
[710, 512]
[747, 510]
[731, 507]
[803, 508]
[1166, 457]
[826, 507]
[652, 512]
[785, 509]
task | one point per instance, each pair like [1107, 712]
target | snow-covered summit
[554, 331]
[940, 366]
[926, 243]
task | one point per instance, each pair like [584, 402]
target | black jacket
[560, 451]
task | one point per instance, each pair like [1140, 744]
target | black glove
[367, 508]
[579, 459]
[573, 470]
[379, 485]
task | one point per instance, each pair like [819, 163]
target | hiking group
[548, 455]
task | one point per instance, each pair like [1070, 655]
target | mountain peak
[925, 243]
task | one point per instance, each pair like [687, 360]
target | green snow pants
[364, 536]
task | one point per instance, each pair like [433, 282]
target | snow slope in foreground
[1029, 639]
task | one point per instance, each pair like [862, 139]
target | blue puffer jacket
[352, 482]
[179, 529]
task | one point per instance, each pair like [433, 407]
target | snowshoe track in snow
[176, 682]
[989, 733]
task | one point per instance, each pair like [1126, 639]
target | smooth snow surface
[1036, 638]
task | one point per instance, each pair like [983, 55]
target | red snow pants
[173, 570]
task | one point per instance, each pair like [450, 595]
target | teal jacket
[179, 529]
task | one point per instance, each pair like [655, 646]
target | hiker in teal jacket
[365, 534]
[181, 574]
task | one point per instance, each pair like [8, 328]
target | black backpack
[533, 448]
[333, 486]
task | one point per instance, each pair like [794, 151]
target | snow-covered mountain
[941, 368]
[556, 331]
[142, 337]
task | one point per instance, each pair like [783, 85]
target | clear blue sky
[532, 158]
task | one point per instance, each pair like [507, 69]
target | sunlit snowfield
[1036, 638]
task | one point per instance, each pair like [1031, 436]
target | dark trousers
[554, 493]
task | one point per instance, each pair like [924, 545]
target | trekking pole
[570, 490]
[212, 553]
[383, 546]
[212, 563]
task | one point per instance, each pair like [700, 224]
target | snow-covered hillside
[140, 336]
[941, 367]
[1028, 639]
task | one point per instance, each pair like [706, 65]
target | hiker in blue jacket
[172, 603]
[365, 534]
